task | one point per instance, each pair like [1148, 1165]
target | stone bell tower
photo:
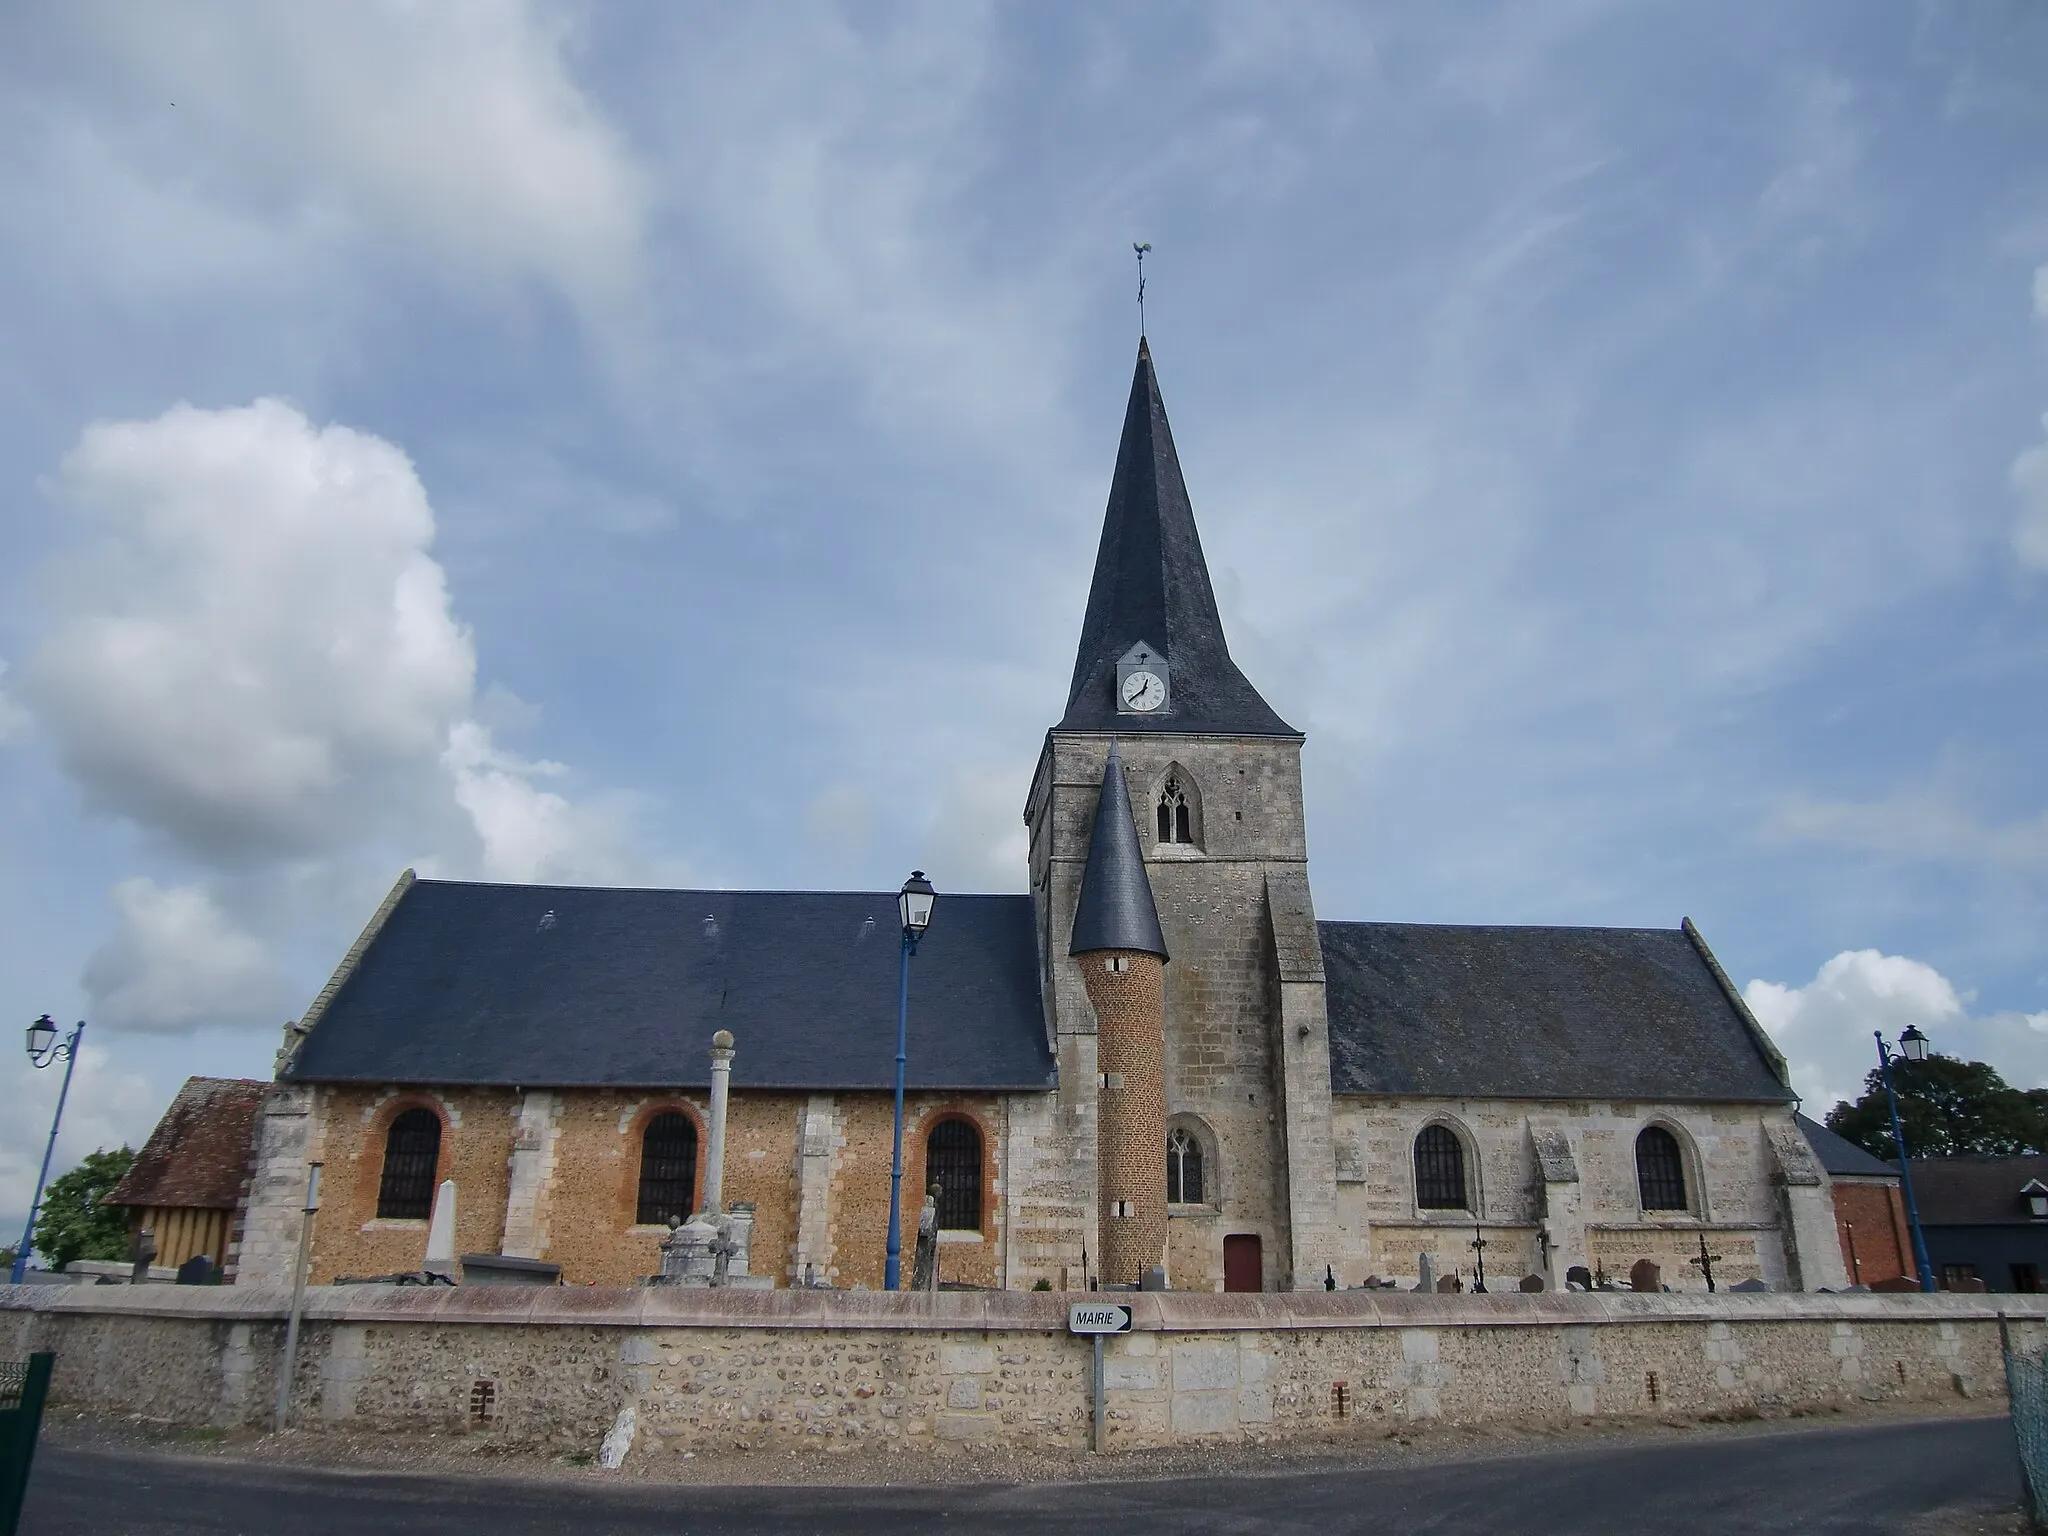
[1209, 780]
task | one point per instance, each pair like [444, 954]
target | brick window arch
[952, 1160]
[668, 1169]
[412, 1154]
[1440, 1170]
[1660, 1170]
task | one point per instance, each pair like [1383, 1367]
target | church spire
[1152, 588]
[1115, 910]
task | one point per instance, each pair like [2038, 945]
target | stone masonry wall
[767, 1370]
[1730, 1176]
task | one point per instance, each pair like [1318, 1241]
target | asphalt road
[1888, 1477]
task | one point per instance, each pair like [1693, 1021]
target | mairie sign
[1098, 1317]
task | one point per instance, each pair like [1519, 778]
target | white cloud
[252, 648]
[2029, 478]
[530, 833]
[840, 820]
[176, 962]
[253, 657]
[1825, 1027]
[456, 131]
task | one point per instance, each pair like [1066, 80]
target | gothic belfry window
[1176, 815]
[1183, 1169]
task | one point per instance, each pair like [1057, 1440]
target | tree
[73, 1224]
[1949, 1108]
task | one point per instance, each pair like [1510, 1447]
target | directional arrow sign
[1098, 1317]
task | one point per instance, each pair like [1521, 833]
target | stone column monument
[722, 1053]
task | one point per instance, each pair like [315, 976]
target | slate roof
[1975, 1191]
[564, 986]
[1115, 910]
[199, 1153]
[1842, 1157]
[1636, 1014]
[1152, 584]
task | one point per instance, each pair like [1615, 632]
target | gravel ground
[1369, 1445]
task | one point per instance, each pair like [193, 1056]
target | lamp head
[914, 905]
[41, 1036]
[1913, 1044]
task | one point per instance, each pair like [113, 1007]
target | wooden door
[1244, 1263]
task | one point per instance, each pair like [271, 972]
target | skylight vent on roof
[547, 921]
[710, 926]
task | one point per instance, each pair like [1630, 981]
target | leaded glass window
[1440, 1170]
[668, 1169]
[412, 1152]
[952, 1160]
[1660, 1170]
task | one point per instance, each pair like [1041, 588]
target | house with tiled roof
[1158, 1058]
[188, 1183]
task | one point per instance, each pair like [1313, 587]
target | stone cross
[1478, 1246]
[722, 1054]
[1705, 1263]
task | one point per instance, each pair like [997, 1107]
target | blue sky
[667, 443]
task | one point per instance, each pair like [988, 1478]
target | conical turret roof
[1152, 585]
[1116, 910]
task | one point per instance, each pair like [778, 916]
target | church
[1159, 1057]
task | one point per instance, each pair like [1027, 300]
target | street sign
[1098, 1317]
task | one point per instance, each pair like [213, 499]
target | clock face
[1143, 691]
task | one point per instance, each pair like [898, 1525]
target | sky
[666, 444]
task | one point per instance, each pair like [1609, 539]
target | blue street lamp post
[1912, 1046]
[914, 906]
[42, 1050]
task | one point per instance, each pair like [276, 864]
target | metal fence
[2026, 1385]
[23, 1386]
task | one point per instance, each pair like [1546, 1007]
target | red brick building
[1870, 1214]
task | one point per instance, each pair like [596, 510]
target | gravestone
[924, 1274]
[1969, 1284]
[1896, 1283]
[1749, 1286]
[1532, 1283]
[1580, 1276]
[1425, 1269]
[141, 1250]
[1644, 1275]
[197, 1270]
[1450, 1285]
[1155, 1279]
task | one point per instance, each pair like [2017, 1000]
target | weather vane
[1141, 247]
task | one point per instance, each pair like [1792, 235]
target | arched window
[1183, 1168]
[1440, 1170]
[668, 1169]
[1176, 821]
[952, 1160]
[1660, 1170]
[412, 1151]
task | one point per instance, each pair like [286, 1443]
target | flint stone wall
[769, 1370]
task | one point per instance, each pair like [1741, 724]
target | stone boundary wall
[556, 1367]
